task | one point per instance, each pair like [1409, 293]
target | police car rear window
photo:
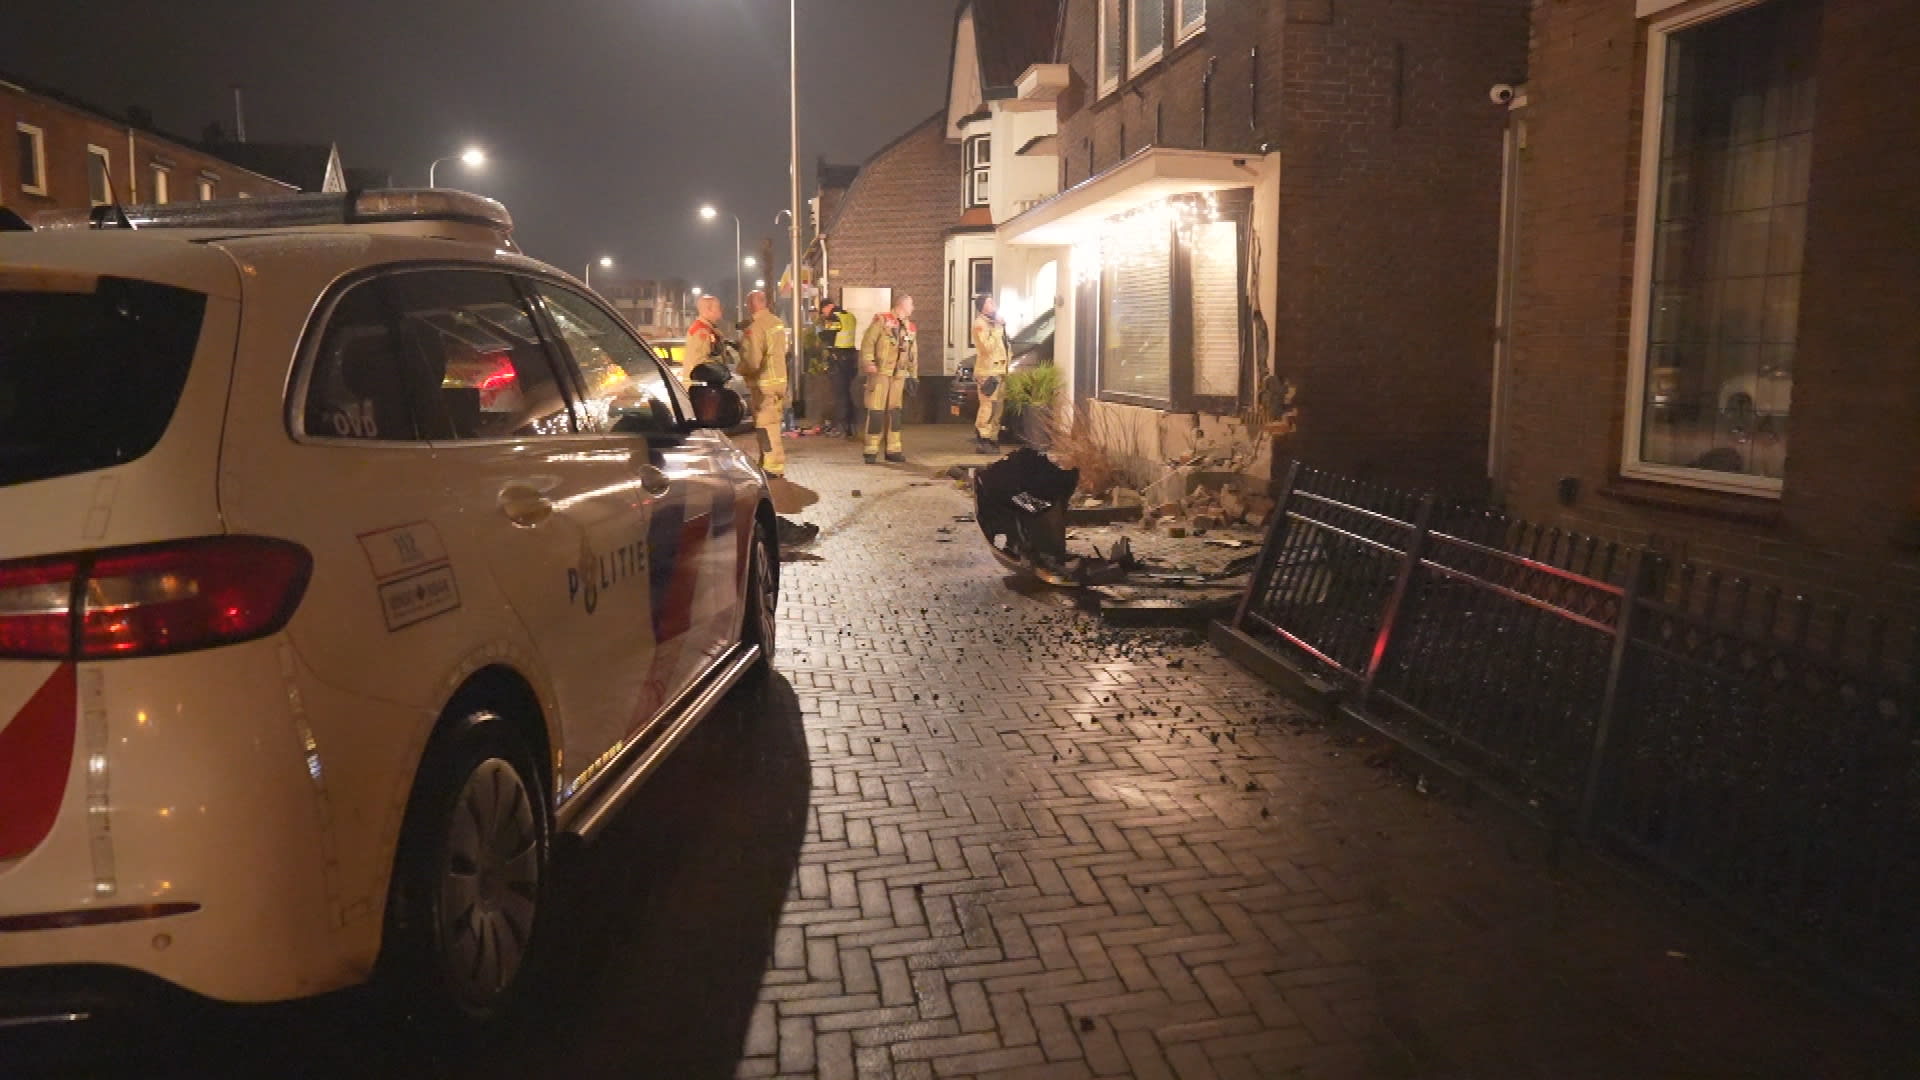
[91, 370]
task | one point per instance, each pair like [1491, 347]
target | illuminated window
[1136, 315]
[159, 185]
[1722, 233]
[1170, 303]
[206, 188]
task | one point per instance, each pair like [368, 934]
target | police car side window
[361, 385]
[622, 387]
[486, 372]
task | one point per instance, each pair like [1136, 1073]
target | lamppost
[472, 157]
[740, 302]
[793, 181]
[606, 263]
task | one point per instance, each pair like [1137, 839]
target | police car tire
[760, 626]
[417, 960]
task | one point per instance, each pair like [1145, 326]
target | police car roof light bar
[294, 211]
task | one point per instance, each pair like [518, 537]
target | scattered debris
[856, 493]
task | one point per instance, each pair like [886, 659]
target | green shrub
[1034, 387]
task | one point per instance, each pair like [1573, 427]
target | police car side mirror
[710, 374]
[717, 407]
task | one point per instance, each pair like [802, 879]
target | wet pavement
[970, 831]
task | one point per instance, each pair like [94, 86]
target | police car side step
[606, 798]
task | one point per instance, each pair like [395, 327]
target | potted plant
[1031, 395]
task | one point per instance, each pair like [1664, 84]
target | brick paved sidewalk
[1036, 848]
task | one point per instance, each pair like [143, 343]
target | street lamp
[759, 283]
[698, 292]
[749, 262]
[708, 213]
[606, 263]
[472, 157]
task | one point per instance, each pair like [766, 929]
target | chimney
[239, 116]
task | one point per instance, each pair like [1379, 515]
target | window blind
[1216, 309]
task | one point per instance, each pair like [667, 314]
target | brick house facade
[62, 155]
[887, 232]
[1354, 144]
[1648, 392]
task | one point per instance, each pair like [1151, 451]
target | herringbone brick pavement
[1037, 848]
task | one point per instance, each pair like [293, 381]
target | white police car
[348, 561]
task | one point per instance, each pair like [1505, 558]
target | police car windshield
[90, 370]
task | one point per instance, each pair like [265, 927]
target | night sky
[608, 122]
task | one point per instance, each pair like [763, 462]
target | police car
[350, 562]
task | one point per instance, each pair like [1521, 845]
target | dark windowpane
[89, 378]
[471, 337]
[1723, 321]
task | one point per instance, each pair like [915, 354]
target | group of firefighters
[888, 356]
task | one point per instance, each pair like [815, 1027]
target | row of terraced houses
[1637, 268]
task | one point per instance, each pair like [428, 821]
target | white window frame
[39, 138]
[1135, 67]
[106, 164]
[979, 175]
[1187, 26]
[1109, 11]
[162, 187]
[1654, 119]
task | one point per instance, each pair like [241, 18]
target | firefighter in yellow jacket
[890, 357]
[990, 362]
[764, 367]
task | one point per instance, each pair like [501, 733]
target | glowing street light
[606, 263]
[759, 283]
[709, 213]
[698, 292]
[472, 157]
[749, 262]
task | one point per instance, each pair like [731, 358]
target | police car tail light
[146, 601]
[36, 598]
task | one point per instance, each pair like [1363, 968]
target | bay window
[1170, 298]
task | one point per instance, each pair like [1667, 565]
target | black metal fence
[1760, 747]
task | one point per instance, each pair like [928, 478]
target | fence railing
[1762, 748]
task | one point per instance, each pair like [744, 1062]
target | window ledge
[1723, 506]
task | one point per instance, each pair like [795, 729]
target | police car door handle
[652, 480]
[524, 505]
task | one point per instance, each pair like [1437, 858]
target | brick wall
[69, 129]
[1854, 461]
[892, 226]
[1389, 201]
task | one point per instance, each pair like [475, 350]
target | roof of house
[133, 116]
[303, 165]
[938, 118]
[1012, 36]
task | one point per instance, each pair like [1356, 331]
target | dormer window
[979, 165]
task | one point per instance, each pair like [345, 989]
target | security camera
[1501, 94]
